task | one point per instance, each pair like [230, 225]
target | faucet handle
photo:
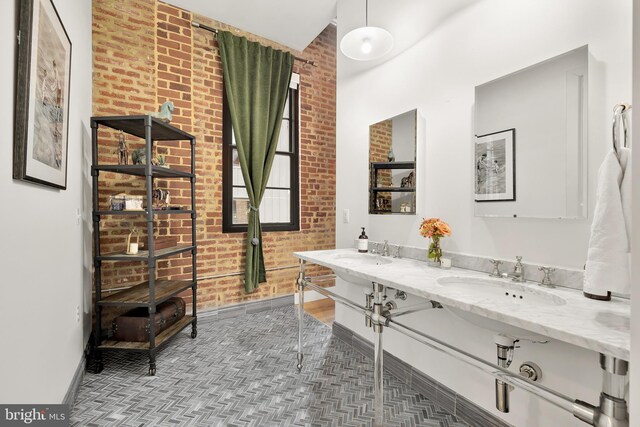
[396, 253]
[519, 258]
[496, 268]
[546, 280]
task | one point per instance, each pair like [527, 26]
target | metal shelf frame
[152, 130]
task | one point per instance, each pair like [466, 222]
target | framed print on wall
[42, 96]
[495, 167]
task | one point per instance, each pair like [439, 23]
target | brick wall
[146, 52]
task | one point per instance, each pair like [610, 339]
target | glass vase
[435, 251]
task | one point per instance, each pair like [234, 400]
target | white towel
[608, 260]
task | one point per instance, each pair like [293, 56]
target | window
[280, 207]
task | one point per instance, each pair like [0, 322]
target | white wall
[41, 250]
[438, 75]
[635, 272]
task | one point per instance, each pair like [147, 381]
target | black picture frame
[495, 167]
[43, 80]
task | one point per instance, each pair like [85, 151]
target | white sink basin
[501, 292]
[497, 293]
[363, 259]
[353, 260]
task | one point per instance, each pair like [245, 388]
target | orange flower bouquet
[434, 229]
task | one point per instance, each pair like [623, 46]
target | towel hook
[619, 115]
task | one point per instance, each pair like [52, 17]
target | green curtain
[256, 81]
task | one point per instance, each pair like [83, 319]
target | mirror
[531, 141]
[392, 165]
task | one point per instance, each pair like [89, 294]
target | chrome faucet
[547, 282]
[385, 248]
[375, 248]
[496, 268]
[518, 270]
[396, 253]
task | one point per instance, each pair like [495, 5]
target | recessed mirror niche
[392, 165]
[530, 141]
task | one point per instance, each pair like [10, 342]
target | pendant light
[366, 43]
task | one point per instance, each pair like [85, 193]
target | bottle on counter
[363, 242]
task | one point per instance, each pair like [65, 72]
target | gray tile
[424, 385]
[235, 311]
[446, 398]
[242, 373]
[475, 416]
[363, 346]
[342, 332]
[257, 307]
[397, 368]
[282, 301]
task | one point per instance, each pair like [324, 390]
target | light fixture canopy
[366, 43]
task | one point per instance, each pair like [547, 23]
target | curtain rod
[215, 31]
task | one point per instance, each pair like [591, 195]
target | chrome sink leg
[378, 403]
[300, 313]
[613, 411]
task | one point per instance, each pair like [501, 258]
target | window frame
[294, 155]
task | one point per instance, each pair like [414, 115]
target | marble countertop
[602, 326]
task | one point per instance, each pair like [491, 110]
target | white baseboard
[311, 296]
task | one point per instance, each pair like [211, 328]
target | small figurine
[161, 199]
[138, 157]
[123, 150]
[161, 161]
[165, 112]
[408, 181]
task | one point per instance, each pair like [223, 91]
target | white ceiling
[408, 21]
[293, 23]
[296, 23]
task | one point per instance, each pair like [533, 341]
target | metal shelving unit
[375, 189]
[153, 291]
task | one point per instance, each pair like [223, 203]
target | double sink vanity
[514, 310]
[521, 310]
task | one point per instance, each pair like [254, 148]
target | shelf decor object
[42, 96]
[149, 294]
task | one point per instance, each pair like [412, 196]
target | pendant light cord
[366, 13]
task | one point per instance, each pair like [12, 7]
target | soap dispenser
[363, 242]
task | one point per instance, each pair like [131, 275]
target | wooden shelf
[144, 212]
[161, 338]
[394, 189]
[393, 165]
[135, 125]
[141, 170]
[138, 295]
[144, 255]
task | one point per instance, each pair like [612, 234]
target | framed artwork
[495, 167]
[42, 96]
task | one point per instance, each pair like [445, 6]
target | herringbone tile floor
[241, 372]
